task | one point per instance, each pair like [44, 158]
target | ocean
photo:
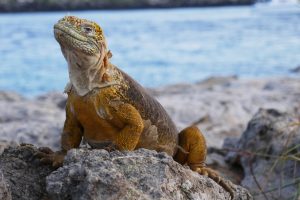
[157, 47]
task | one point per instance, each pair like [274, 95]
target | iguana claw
[47, 156]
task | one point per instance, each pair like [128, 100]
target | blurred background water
[157, 47]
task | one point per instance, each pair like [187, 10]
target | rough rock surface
[98, 174]
[142, 174]
[24, 175]
[221, 107]
[4, 144]
[269, 150]
[5, 193]
[37, 5]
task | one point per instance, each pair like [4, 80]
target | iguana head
[83, 45]
[79, 34]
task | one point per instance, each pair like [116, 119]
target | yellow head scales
[78, 32]
[78, 23]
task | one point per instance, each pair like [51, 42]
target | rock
[37, 121]
[5, 144]
[296, 70]
[10, 96]
[142, 174]
[221, 107]
[269, 151]
[5, 193]
[98, 174]
[23, 173]
[59, 99]
[36, 5]
[218, 80]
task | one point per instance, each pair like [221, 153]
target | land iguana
[110, 110]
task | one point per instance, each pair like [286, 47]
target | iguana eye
[88, 29]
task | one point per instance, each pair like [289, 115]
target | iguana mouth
[61, 30]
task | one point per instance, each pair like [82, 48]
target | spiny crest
[78, 23]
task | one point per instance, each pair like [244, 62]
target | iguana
[110, 110]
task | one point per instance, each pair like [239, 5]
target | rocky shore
[221, 107]
[252, 128]
[54, 5]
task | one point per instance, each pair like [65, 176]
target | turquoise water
[156, 47]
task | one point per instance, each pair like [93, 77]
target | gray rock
[5, 144]
[222, 107]
[269, 151]
[296, 69]
[37, 121]
[5, 193]
[59, 99]
[98, 174]
[23, 173]
[10, 96]
[142, 174]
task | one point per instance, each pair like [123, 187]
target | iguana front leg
[129, 136]
[70, 138]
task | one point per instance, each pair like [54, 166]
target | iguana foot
[205, 171]
[110, 148]
[47, 156]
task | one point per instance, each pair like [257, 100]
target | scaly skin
[110, 110]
